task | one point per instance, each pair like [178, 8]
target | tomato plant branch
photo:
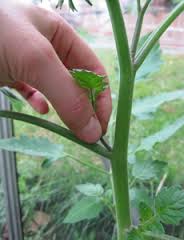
[138, 6]
[159, 236]
[56, 129]
[137, 33]
[155, 36]
[120, 148]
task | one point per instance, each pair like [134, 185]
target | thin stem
[161, 184]
[56, 129]
[152, 189]
[138, 6]
[155, 36]
[159, 236]
[92, 98]
[90, 165]
[138, 28]
[120, 148]
[132, 182]
[106, 145]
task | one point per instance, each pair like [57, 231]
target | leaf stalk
[138, 28]
[56, 129]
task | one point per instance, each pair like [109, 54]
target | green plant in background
[142, 190]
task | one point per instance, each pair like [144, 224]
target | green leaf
[147, 169]
[142, 108]
[135, 234]
[85, 209]
[169, 205]
[168, 131]
[155, 227]
[138, 195]
[152, 63]
[89, 80]
[109, 195]
[91, 190]
[35, 146]
[145, 212]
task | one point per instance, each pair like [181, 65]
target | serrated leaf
[91, 190]
[135, 234]
[169, 205]
[142, 108]
[85, 209]
[168, 131]
[156, 227]
[152, 63]
[35, 146]
[147, 169]
[89, 80]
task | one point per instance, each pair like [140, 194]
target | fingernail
[92, 132]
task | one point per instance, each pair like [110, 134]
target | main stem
[120, 148]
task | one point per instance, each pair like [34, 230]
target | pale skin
[37, 50]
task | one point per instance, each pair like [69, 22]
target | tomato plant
[166, 206]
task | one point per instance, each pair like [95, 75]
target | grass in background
[52, 189]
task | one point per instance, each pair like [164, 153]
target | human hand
[37, 50]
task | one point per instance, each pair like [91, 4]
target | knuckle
[54, 22]
[37, 54]
[33, 58]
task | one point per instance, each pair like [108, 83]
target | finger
[33, 97]
[75, 53]
[39, 66]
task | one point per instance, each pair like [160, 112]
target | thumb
[39, 66]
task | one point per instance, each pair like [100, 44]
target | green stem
[56, 129]
[137, 33]
[155, 36]
[90, 165]
[120, 148]
[106, 145]
[138, 6]
[159, 236]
